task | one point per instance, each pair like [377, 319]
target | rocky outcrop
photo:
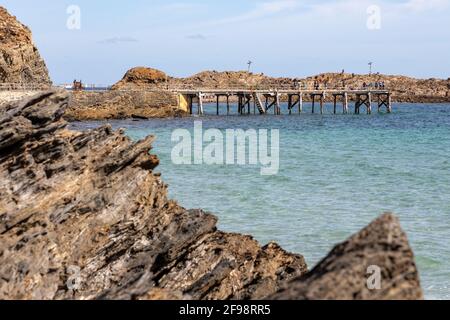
[230, 79]
[403, 89]
[83, 215]
[20, 61]
[86, 105]
[350, 270]
[141, 77]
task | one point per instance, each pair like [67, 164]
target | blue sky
[282, 37]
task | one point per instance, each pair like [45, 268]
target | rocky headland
[84, 215]
[20, 61]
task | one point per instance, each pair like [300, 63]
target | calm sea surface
[337, 173]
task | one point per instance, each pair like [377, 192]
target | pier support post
[191, 102]
[322, 96]
[274, 105]
[217, 104]
[228, 104]
[300, 103]
[200, 110]
[239, 104]
[277, 103]
[335, 103]
[345, 106]
[357, 103]
[290, 103]
[200, 103]
[389, 108]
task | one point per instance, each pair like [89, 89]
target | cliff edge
[20, 61]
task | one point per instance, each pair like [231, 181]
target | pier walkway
[265, 101]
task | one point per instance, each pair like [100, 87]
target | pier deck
[266, 100]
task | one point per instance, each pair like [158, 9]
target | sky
[97, 41]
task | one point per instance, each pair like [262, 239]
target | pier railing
[184, 87]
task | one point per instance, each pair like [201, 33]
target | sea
[336, 174]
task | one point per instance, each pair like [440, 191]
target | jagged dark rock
[83, 216]
[343, 274]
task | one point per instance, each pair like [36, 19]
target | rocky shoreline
[84, 215]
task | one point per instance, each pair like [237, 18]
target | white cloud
[116, 40]
[424, 5]
[180, 6]
[197, 36]
[262, 10]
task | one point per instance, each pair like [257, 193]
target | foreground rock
[349, 270]
[20, 61]
[84, 216]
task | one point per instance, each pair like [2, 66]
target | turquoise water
[337, 173]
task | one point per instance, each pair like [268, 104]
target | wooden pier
[268, 101]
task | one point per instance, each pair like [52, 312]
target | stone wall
[114, 104]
